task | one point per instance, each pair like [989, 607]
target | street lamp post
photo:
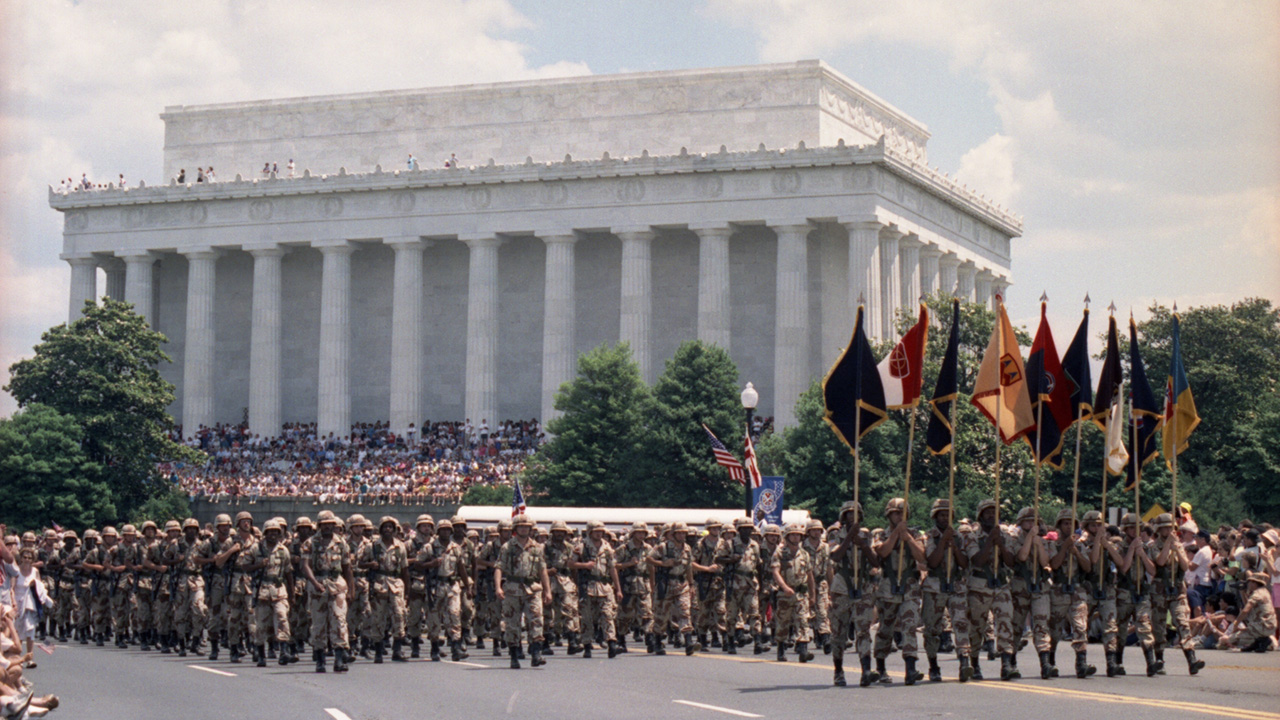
[749, 399]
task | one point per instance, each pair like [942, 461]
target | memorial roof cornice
[929, 179]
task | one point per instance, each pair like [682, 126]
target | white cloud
[989, 168]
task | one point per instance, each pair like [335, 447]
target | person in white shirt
[1199, 580]
[290, 167]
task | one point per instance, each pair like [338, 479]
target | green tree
[101, 370]
[594, 455]
[163, 507]
[699, 385]
[45, 476]
[487, 495]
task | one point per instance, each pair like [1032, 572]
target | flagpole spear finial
[1112, 307]
[1175, 307]
[1044, 297]
[862, 300]
[1086, 300]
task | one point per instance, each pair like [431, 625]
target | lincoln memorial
[747, 207]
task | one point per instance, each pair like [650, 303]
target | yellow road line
[1222, 710]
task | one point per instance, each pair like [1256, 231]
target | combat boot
[178, 643]
[377, 652]
[658, 647]
[613, 649]
[622, 644]
[881, 674]
[1153, 666]
[1193, 665]
[364, 648]
[782, 652]
[990, 647]
[415, 648]
[497, 649]
[691, 645]
[913, 676]
[285, 655]
[262, 656]
[397, 650]
[546, 647]
[838, 678]
[1013, 662]
[271, 650]
[977, 669]
[715, 639]
[575, 647]
[146, 641]
[480, 643]
[730, 645]
[702, 640]
[164, 645]
[966, 670]
[1112, 668]
[1046, 668]
[824, 639]
[1120, 658]
[935, 672]
[586, 651]
[945, 643]
[868, 675]
[318, 656]
[235, 653]
[535, 655]
[520, 649]
[1083, 668]
[455, 650]
[1007, 670]
[802, 649]
[435, 651]
[673, 637]
[760, 647]
[339, 660]
[213, 648]
[1160, 662]
[515, 661]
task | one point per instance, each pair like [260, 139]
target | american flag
[725, 459]
[517, 501]
[750, 453]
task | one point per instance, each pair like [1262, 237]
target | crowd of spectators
[23, 598]
[434, 464]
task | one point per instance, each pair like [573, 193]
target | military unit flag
[902, 372]
[1116, 453]
[941, 435]
[1050, 396]
[852, 392]
[1146, 413]
[1180, 417]
[1001, 391]
[1075, 366]
[1109, 380]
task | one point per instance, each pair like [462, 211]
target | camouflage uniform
[563, 611]
[523, 570]
[898, 599]
[386, 587]
[329, 560]
[1028, 589]
[945, 592]
[488, 608]
[271, 603]
[1168, 593]
[444, 621]
[741, 561]
[1069, 598]
[158, 554]
[636, 608]
[219, 583]
[190, 615]
[1100, 585]
[360, 611]
[820, 601]
[671, 585]
[598, 607]
[1257, 619]
[990, 604]
[97, 589]
[466, 571]
[709, 616]
[416, 620]
[69, 607]
[148, 614]
[766, 590]
[796, 570]
[121, 588]
[299, 618]
[1133, 598]
[240, 622]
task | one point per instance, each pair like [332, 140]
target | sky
[1139, 141]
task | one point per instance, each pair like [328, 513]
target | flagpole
[995, 559]
[951, 476]
[1137, 485]
[906, 491]
[1075, 494]
[857, 463]
[1174, 407]
[1036, 460]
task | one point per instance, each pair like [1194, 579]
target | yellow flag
[1001, 391]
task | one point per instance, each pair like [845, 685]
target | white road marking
[337, 714]
[717, 708]
[460, 662]
[511, 704]
[223, 673]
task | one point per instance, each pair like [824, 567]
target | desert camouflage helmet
[639, 526]
[851, 506]
[388, 519]
[303, 522]
[491, 531]
[70, 534]
[28, 536]
[521, 519]
[445, 524]
[1129, 520]
[772, 529]
[679, 527]
[458, 520]
[1064, 514]
[126, 530]
[939, 505]
[357, 520]
[1092, 516]
[91, 534]
[222, 519]
[1163, 520]
[326, 517]
[814, 524]
[109, 531]
[712, 523]
[594, 525]
[559, 526]
[50, 534]
[424, 519]
[504, 524]
[190, 523]
[244, 515]
[1026, 513]
[742, 522]
[271, 525]
[985, 505]
[895, 505]
[281, 521]
[794, 529]
[172, 526]
[149, 525]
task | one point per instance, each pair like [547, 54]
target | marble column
[333, 401]
[482, 330]
[406, 332]
[637, 295]
[84, 285]
[114, 270]
[198, 350]
[966, 275]
[982, 289]
[713, 285]
[139, 268]
[1001, 287]
[266, 326]
[948, 273]
[909, 256]
[891, 282]
[559, 358]
[791, 321]
[929, 269]
[864, 274]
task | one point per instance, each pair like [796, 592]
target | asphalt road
[107, 683]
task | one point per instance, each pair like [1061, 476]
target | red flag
[902, 373]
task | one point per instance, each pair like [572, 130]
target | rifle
[582, 577]
[174, 569]
[258, 576]
[662, 577]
